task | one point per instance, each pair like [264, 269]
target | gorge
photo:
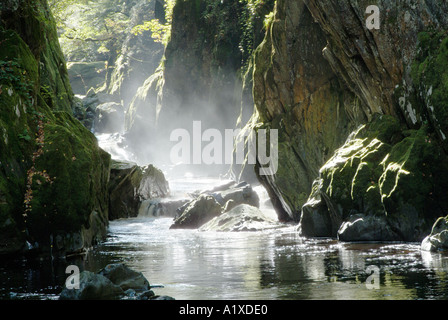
[360, 112]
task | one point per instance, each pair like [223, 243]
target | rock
[147, 295]
[241, 218]
[86, 75]
[437, 240]
[54, 176]
[381, 172]
[360, 227]
[197, 212]
[92, 287]
[125, 278]
[241, 193]
[315, 220]
[160, 207]
[109, 118]
[130, 185]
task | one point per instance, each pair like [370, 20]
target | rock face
[53, 185]
[384, 175]
[131, 184]
[201, 76]
[322, 78]
[240, 218]
[297, 93]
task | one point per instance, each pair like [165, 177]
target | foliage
[160, 31]
[91, 30]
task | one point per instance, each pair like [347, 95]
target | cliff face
[201, 75]
[53, 175]
[319, 74]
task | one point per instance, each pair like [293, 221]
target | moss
[430, 74]
[78, 172]
[403, 180]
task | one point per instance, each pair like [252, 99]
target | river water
[275, 264]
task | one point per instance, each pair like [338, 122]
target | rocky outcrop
[92, 287]
[53, 182]
[384, 174]
[130, 185]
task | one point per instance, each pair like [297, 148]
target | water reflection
[275, 264]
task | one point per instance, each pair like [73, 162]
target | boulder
[437, 240]
[115, 281]
[109, 117]
[131, 184]
[160, 207]
[241, 218]
[360, 227]
[197, 212]
[92, 286]
[125, 278]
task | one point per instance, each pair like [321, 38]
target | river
[275, 264]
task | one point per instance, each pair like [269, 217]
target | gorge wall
[53, 175]
[319, 74]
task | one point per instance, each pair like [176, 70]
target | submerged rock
[241, 218]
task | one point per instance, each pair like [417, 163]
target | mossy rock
[78, 173]
[430, 76]
[402, 182]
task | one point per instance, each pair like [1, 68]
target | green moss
[77, 169]
[377, 177]
[430, 74]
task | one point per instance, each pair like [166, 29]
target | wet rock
[384, 172]
[92, 287]
[360, 227]
[241, 218]
[115, 281]
[438, 238]
[197, 212]
[131, 184]
[125, 278]
[160, 207]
